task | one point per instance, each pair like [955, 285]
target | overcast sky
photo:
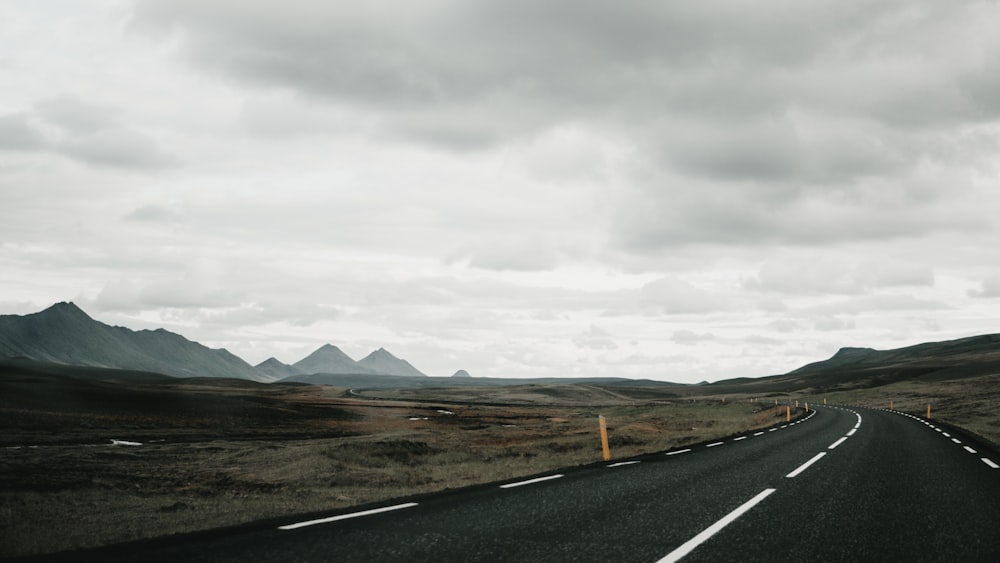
[684, 190]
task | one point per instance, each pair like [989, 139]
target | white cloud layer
[682, 190]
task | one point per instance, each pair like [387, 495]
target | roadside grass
[971, 403]
[385, 450]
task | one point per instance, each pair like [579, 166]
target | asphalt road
[843, 485]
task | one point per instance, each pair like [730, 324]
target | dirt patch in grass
[212, 454]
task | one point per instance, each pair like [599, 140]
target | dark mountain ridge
[65, 334]
[330, 359]
[866, 367]
[381, 361]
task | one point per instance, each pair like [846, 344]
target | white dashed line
[946, 435]
[758, 433]
[956, 440]
[989, 462]
[712, 445]
[621, 463]
[726, 520]
[837, 443]
[684, 451]
[740, 438]
[970, 450]
[347, 516]
[530, 481]
[806, 465]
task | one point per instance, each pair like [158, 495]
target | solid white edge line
[837, 443]
[684, 451]
[805, 465]
[530, 481]
[622, 463]
[989, 462]
[688, 546]
[852, 431]
[347, 516]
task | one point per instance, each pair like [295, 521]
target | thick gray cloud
[684, 190]
[17, 133]
[790, 116]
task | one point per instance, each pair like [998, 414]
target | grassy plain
[215, 453]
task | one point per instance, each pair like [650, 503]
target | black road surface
[846, 484]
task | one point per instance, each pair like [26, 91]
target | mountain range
[65, 334]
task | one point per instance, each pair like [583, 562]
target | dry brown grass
[971, 403]
[364, 451]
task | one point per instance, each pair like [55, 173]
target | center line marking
[989, 462]
[712, 445]
[684, 451]
[740, 438]
[757, 433]
[530, 481]
[806, 465]
[837, 443]
[688, 546]
[970, 450]
[346, 516]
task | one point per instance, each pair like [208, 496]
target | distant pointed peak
[67, 308]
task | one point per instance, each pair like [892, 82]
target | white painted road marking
[712, 445]
[956, 440]
[530, 481]
[621, 463]
[806, 465]
[852, 431]
[970, 450]
[710, 531]
[837, 443]
[740, 438]
[346, 516]
[758, 433]
[684, 451]
[989, 462]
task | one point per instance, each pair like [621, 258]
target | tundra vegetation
[136, 457]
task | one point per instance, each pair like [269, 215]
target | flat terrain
[125, 456]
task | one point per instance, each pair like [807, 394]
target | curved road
[843, 485]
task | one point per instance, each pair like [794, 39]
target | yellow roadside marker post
[604, 437]
[928, 411]
[788, 414]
